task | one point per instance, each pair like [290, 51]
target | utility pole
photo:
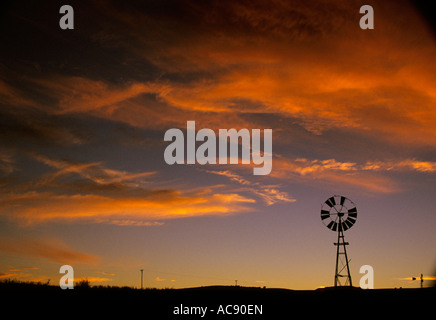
[142, 270]
[422, 280]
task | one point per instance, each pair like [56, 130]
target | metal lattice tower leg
[342, 267]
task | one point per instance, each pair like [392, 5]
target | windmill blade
[332, 225]
[352, 212]
[344, 226]
[352, 215]
[348, 224]
[342, 200]
[331, 202]
[324, 214]
[351, 219]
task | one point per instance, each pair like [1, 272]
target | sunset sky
[83, 114]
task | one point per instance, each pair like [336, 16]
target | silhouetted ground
[274, 302]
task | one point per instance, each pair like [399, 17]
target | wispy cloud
[49, 249]
[270, 194]
[7, 275]
[35, 207]
[401, 165]
[372, 176]
[6, 162]
[97, 97]
[21, 272]
[91, 192]
[13, 96]
[94, 171]
[19, 268]
[306, 166]
[330, 172]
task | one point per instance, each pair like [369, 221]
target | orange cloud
[299, 61]
[50, 249]
[7, 275]
[305, 166]
[104, 195]
[408, 164]
[330, 172]
[316, 73]
[35, 207]
[371, 176]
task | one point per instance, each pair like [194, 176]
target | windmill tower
[339, 214]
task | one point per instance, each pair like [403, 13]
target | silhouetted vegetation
[11, 288]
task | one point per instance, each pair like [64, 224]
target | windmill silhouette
[339, 214]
